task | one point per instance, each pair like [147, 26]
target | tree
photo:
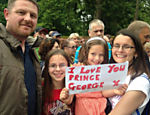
[144, 9]
[69, 16]
[63, 16]
[74, 15]
[137, 9]
[2, 6]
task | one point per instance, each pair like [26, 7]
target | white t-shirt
[140, 83]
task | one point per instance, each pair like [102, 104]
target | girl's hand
[78, 64]
[121, 90]
[65, 97]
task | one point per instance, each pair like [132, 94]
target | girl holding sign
[54, 74]
[126, 47]
[94, 52]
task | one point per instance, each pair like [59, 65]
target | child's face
[96, 55]
[57, 66]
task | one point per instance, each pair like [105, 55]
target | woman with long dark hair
[127, 47]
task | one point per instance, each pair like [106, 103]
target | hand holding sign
[121, 89]
[65, 97]
[96, 77]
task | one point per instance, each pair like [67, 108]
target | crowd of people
[33, 61]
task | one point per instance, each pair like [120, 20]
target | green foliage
[63, 15]
[69, 16]
[74, 15]
[117, 14]
[2, 6]
[144, 10]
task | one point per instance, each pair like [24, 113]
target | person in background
[55, 35]
[45, 46]
[127, 47]
[77, 40]
[106, 38]
[36, 38]
[69, 46]
[82, 41]
[54, 73]
[96, 28]
[50, 33]
[94, 52]
[141, 30]
[147, 49]
[40, 32]
[20, 73]
[75, 37]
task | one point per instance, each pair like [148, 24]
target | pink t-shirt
[90, 103]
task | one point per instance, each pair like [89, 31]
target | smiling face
[96, 55]
[123, 49]
[21, 19]
[57, 65]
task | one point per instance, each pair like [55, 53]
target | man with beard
[20, 82]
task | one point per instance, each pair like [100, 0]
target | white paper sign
[92, 78]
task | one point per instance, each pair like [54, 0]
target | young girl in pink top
[94, 52]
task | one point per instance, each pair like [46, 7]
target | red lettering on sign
[122, 67]
[71, 70]
[76, 77]
[111, 68]
[70, 85]
[89, 86]
[116, 82]
[78, 87]
[97, 77]
[85, 77]
[71, 77]
[92, 70]
[95, 85]
[91, 77]
[98, 69]
[116, 69]
[101, 84]
[83, 87]
[84, 71]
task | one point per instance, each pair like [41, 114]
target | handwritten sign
[92, 78]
